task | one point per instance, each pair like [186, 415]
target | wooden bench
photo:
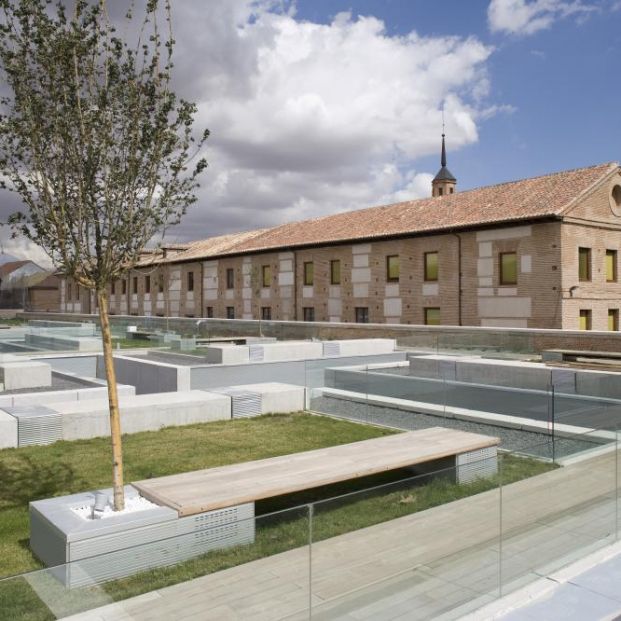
[212, 489]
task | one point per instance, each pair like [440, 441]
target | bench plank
[195, 492]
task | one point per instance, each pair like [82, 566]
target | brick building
[537, 253]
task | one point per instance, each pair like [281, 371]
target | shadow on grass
[24, 479]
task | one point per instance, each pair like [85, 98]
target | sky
[322, 106]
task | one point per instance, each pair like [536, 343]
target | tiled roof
[11, 266]
[534, 198]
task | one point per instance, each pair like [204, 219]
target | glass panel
[611, 265]
[267, 275]
[431, 266]
[508, 268]
[280, 583]
[421, 546]
[432, 317]
[584, 263]
[308, 273]
[392, 268]
[335, 272]
[613, 319]
[585, 319]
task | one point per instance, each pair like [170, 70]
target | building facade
[535, 253]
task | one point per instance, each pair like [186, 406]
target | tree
[95, 143]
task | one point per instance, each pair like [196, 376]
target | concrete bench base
[87, 552]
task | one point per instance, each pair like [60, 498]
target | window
[585, 319]
[308, 273]
[69, 291]
[230, 278]
[266, 275]
[440, 191]
[230, 312]
[432, 316]
[190, 281]
[124, 287]
[392, 268]
[113, 288]
[362, 314]
[309, 313]
[335, 272]
[611, 266]
[209, 312]
[584, 264]
[77, 292]
[431, 266]
[266, 313]
[147, 284]
[135, 284]
[613, 319]
[508, 268]
[190, 315]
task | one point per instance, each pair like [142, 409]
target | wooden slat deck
[217, 488]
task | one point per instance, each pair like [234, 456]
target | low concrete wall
[60, 396]
[142, 413]
[299, 372]
[517, 374]
[63, 342]
[148, 376]
[433, 337]
[83, 365]
[578, 410]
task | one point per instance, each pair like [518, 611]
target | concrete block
[292, 350]
[226, 354]
[8, 430]
[26, 374]
[89, 552]
[277, 398]
[364, 347]
[89, 419]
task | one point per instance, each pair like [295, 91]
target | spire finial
[443, 158]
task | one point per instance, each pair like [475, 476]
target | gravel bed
[527, 442]
[58, 383]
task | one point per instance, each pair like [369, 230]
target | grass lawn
[69, 467]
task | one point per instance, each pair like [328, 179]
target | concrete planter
[83, 552]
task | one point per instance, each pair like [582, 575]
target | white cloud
[523, 17]
[308, 119]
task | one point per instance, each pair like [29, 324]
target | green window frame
[584, 264]
[230, 278]
[508, 271]
[309, 273]
[392, 268]
[432, 316]
[611, 266]
[266, 275]
[430, 261]
[585, 319]
[335, 272]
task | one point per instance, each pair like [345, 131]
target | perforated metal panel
[36, 424]
[99, 559]
[256, 353]
[331, 348]
[244, 403]
[477, 464]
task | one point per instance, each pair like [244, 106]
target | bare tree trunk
[113, 400]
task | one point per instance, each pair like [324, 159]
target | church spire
[444, 182]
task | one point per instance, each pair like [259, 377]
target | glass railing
[410, 543]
